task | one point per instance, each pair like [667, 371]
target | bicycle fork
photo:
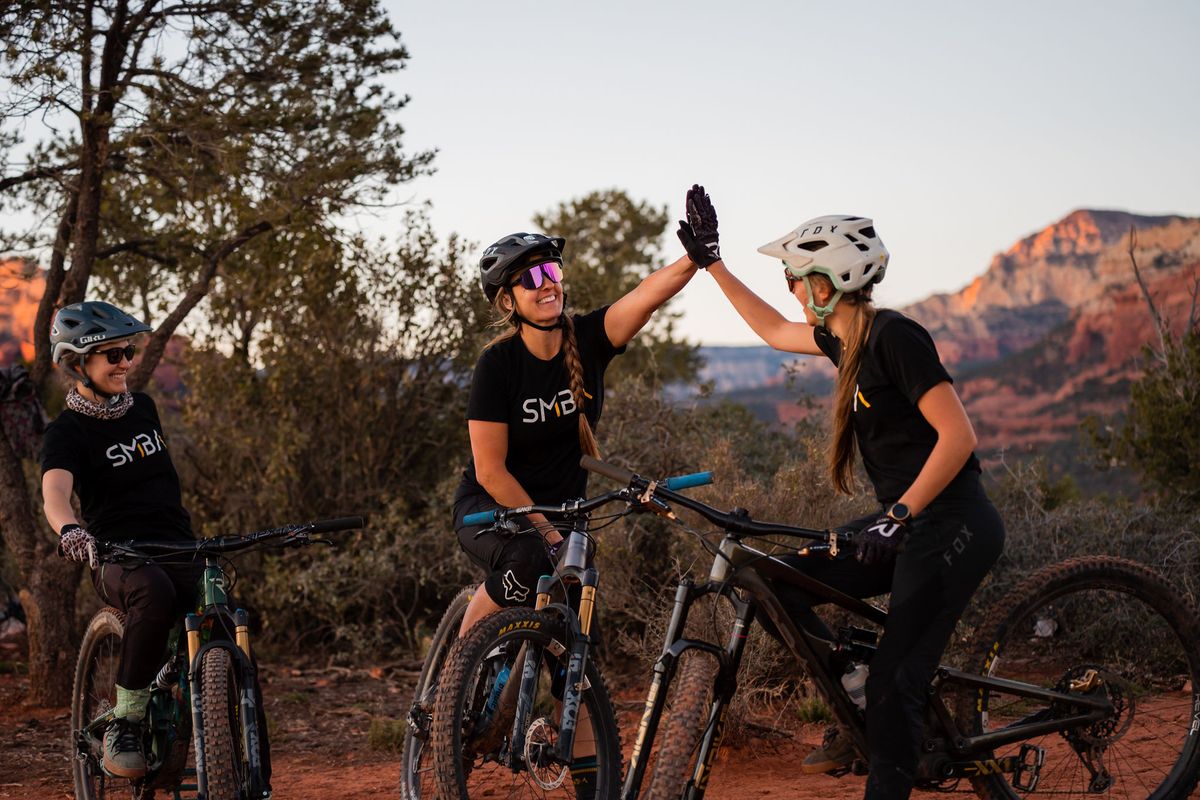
[529, 661]
[664, 672]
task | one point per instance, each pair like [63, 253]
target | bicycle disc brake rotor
[540, 741]
[1096, 682]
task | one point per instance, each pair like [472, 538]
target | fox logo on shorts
[513, 590]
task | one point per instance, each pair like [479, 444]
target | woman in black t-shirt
[536, 396]
[107, 447]
[937, 533]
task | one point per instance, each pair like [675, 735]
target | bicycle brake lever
[660, 508]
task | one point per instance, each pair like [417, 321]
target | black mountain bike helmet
[79, 327]
[508, 256]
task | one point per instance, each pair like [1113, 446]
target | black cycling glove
[879, 542]
[699, 233]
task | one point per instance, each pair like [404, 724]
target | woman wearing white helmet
[936, 534]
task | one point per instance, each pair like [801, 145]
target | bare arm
[956, 440]
[57, 485]
[771, 326]
[489, 446]
[630, 314]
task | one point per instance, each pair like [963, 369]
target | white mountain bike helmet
[844, 249]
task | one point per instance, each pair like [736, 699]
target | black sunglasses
[115, 354]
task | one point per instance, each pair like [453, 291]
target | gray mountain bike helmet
[507, 257]
[79, 327]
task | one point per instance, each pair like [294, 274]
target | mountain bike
[1083, 681]
[514, 703]
[204, 694]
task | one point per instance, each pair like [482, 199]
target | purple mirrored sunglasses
[535, 276]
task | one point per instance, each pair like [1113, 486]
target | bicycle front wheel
[416, 767]
[1109, 630]
[226, 764]
[470, 736]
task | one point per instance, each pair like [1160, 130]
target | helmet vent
[845, 277]
[812, 247]
[861, 246]
[868, 232]
[850, 236]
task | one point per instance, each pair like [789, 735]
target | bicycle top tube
[298, 534]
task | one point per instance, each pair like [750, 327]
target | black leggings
[948, 551]
[153, 597]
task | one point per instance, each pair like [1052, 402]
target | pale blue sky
[958, 126]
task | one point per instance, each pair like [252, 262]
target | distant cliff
[1050, 332]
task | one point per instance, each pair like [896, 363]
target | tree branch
[138, 247]
[191, 298]
[1159, 325]
[49, 302]
[35, 174]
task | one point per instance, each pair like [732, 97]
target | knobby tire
[220, 710]
[686, 716]
[463, 686]
[416, 766]
[1142, 639]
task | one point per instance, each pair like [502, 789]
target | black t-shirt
[533, 397]
[900, 364]
[126, 482]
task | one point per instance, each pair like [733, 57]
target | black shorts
[514, 562]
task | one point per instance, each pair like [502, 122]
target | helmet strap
[821, 311]
[558, 323]
[104, 396]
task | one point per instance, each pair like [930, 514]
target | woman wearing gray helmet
[536, 397]
[936, 534]
[108, 448]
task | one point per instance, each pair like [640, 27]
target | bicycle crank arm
[1025, 768]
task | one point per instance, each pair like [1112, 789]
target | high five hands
[699, 233]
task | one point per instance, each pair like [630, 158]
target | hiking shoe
[123, 757]
[836, 752]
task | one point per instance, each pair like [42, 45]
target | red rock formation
[21, 287]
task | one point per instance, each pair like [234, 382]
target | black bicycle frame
[744, 577]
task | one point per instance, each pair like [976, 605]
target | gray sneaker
[123, 756]
[836, 752]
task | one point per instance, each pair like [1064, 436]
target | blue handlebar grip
[688, 481]
[481, 518]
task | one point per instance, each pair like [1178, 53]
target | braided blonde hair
[587, 439]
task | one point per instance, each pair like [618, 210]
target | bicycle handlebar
[735, 521]
[677, 482]
[112, 551]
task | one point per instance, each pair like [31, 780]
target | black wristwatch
[900, 513]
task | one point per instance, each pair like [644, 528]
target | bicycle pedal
[1028, 768]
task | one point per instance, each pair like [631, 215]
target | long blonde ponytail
[843, 446]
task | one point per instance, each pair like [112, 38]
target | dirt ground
[322, 749]
[320, 720]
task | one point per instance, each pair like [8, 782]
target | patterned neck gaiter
[115, 409]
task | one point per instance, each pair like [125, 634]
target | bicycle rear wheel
[94, 692]
[470, 741]
[416, 766]
[1108, 629]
